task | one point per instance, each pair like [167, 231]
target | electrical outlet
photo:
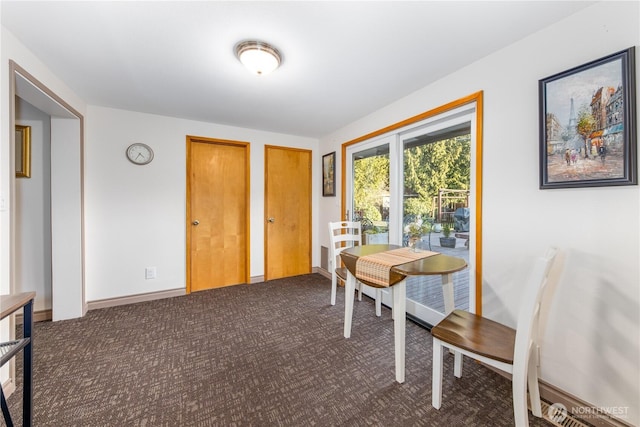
[150, 273]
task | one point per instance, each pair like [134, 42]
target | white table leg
[399, 292]
[447, 293]
[449, 306]
[349, 289]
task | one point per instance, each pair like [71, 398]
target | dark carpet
[267, 354]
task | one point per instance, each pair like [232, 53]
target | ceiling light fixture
[259, 57]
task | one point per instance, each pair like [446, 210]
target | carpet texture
[267, 354]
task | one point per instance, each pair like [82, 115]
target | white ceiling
[342, 60]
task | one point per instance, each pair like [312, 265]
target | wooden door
[217, 213]
[287, 212]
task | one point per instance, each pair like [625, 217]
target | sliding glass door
[420, 174]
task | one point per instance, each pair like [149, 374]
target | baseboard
[576, 407]
[42, 315]
[8, 387]
[321, 271]
[256, 279]
[38, 316]
[132, 299]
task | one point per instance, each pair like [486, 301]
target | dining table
[427, 263]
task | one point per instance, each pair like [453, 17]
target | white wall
[136, 215]
[591, 338]
[33, 210]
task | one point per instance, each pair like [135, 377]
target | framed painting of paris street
[588, 124]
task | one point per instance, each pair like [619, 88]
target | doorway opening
[61, 141]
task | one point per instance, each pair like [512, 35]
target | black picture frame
[329, 175]
[588, 124]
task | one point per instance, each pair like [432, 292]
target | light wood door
[217, 213]
[287, 212]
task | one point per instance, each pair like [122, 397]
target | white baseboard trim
[132, 299]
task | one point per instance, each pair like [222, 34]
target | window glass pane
[371, 193]
[436, 183]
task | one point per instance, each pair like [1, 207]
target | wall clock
[139, 154]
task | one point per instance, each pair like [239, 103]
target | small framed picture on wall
[328, 174]
[23, 151]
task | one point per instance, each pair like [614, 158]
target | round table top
[436, 264]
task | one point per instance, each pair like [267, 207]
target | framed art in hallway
[23, 151]
[328, 174]
[588, 124]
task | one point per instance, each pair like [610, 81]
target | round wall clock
[139, 154]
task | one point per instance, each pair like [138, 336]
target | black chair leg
[5, 409]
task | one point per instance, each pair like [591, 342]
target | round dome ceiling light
[259, 57]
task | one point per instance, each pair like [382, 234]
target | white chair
[343, 235]
[497, 345]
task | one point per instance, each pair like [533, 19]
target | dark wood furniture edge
[477, 334]
[446, 264]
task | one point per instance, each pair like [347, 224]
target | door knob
[196, 222]
[272, 220]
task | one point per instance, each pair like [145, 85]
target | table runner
[377, 267]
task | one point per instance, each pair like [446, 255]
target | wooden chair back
[342, 235]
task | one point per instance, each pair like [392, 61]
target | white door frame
[445, 119]
[67, 188]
